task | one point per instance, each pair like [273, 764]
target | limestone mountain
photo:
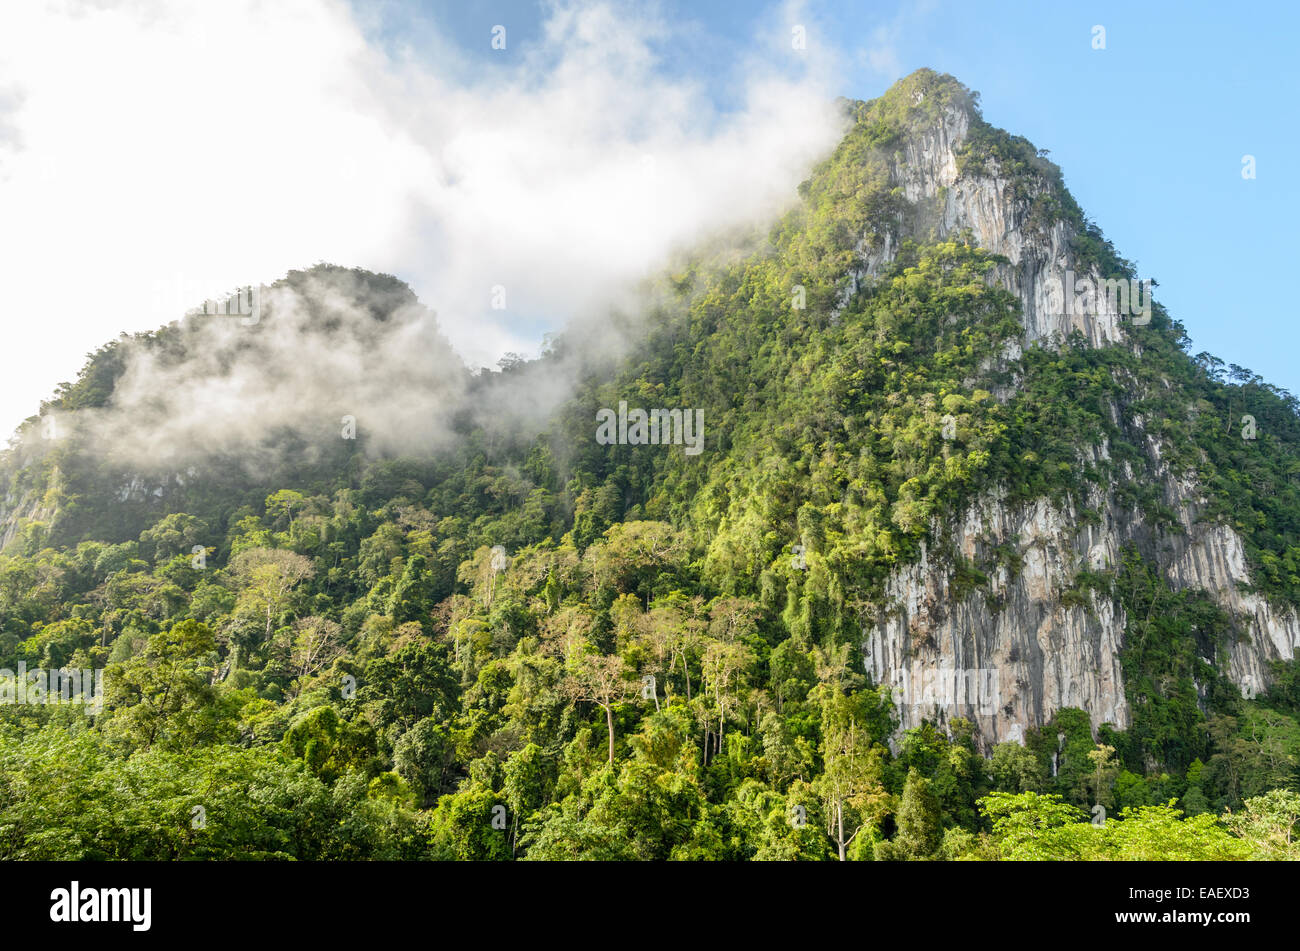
[960, 486]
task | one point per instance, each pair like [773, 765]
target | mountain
[948, 514]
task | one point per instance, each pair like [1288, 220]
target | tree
[528, 777]
[1032, 826]
[792, 672]
[725, 665]
[1268, 824]
[601, 679]
[463, 821]
[785, 757]
[1014, 768]
[329, 744]
[1151, 833]
[266, 578]
[421, 756]
[376, 554]
[636, 557]
[173, 535]
[316, 645]
[415, 682]
[79, 802]
[1102, 779]
[165, 696]
[920, 831]
[412, 595]
[852, 790]
[280, 508]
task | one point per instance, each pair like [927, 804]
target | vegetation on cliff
[538, 646]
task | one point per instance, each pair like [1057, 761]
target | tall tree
[602, 679]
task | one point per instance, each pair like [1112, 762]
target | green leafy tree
[920, 832]
[165, 696]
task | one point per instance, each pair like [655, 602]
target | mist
[514, 200]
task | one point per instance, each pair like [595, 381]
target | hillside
[949, 546]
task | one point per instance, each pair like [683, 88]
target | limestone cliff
[1008, 657]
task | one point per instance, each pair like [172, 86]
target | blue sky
[1149, 132]
[562, 169]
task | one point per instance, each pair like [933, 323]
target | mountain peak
[920, 163]
[925, 94]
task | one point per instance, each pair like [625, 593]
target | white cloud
[155, 153]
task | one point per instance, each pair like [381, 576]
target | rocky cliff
[1009, 661]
